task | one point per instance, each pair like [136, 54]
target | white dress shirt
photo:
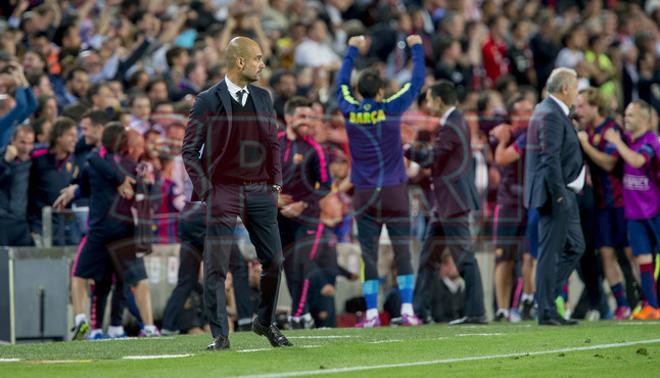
[577, 184]
[234, 89]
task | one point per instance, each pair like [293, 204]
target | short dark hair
[95, 88]
[72, 73]
[370, 83]
[38, 125]
[98, 117]
[278, 75]
[153, 82]
[446, 90]
[511, 103]
[173, 53]
[190, 67]
[296, 102]
[61, 126]
[22, 129]
[114, 137]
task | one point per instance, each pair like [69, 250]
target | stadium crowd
[84, 78]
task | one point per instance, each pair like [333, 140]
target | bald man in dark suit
[231, 154]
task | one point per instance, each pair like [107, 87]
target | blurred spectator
[520, 54]
[140, 112]
[495, 50]
[315, 51]
[47, 108]
[14, 178]
[52, 170]
[16, 108]
[284, 87]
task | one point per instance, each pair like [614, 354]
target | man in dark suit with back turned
[231, 154]
[554, 173]
[452, 170]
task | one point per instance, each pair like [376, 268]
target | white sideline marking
[640, 322]
[479, 334]
[10, 359]
[321, 337]
[272, 349]
[452, 360]
[384, 341]
[135, 338]
[255, 350]
[157, 356]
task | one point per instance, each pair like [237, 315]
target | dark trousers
[375, 207]
[561, 244]
[301, 243]
[15, 233]
[589, 267]
[452, 233]
[257, 206]
[192, 231]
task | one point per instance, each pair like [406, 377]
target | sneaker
[96, 334]
[80, 331]
[527, 310]
[149, 332]
[308, 322]
[622, 313]
[411, 320]
[500, 315]
[514, 316]
[122, 335]
[168, 332]
[369, 323]
[592, 315]
[294, 323]
[647, 313]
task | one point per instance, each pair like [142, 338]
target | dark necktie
[240, 95]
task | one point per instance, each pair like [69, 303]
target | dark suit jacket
[452, 167]
[209, 126]
[553, 157]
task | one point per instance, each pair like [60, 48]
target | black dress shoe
[558, 322]
[219, 343]
[568, 322]
[272, 333]
[470, 320]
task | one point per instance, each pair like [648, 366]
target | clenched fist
[413, 40]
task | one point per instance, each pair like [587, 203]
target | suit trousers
[452, 233]
[561, 244]
[192, 231]
[256, 204]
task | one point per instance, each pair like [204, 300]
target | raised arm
[401, 100]
[344, 94]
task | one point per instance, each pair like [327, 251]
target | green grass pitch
[617, 349]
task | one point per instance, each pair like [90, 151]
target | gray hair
[559, 78]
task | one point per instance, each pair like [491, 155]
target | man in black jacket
[452, 170]
[232, 127]
[15, 166]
